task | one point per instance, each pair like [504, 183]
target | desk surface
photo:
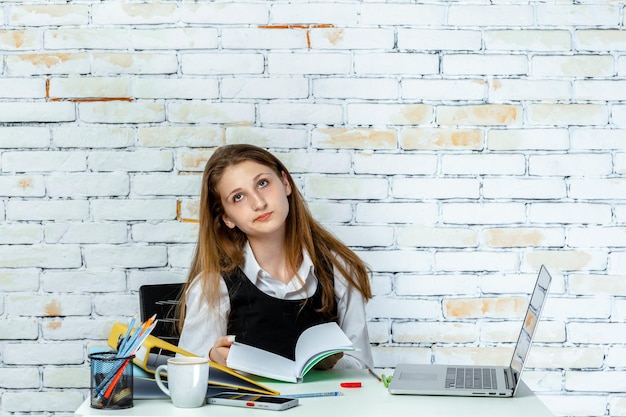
[372, 399]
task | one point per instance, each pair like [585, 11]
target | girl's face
[254, 199]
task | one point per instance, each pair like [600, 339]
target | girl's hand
[219, 352]
[328, 362]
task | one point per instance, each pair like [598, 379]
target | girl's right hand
[220, 349]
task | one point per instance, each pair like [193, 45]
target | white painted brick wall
[456, 146]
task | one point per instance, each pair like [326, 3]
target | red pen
[350, 385]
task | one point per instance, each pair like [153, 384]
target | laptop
[474, 380]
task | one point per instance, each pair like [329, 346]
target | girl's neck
[272, 257]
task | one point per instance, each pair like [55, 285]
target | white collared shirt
[201, 328]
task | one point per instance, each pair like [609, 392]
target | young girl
[264, 270]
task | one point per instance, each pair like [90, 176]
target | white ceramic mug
[187, 379]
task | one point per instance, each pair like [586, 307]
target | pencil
[314, 394]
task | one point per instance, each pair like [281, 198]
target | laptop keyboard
[471, 378]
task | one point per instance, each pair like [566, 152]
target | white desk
[372, 399]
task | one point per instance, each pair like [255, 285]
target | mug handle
[157, 378]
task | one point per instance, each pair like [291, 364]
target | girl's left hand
[328, 362]
[219, 352]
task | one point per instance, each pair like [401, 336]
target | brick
[298, 63]
[402, 14]
[134, 209]
[18, 328]
[397, 260]
[395, 63]
[597, 188]
[291, 137]
[439, 188]
[482, 355]
[179, 136]
[346, 187]
[567, 213]
[180, 255]
[59, 232]
[390, 164]
[578, 15]
[488, 64]
[358, 88]
[332, 212]
[225, 13]
[22, 279]
[599, 90]
[434, 237]
[392, 114]
[351, 38]
[20, 233]
[507, 90]
[87, 38]
[601, 40]
[476, 261]
[265, 88]
[439, 39]
[487, 164]
[20, 39]
[442, 139]
[565, 259]
[139, 160]
[122, 112]
[88, 184]
[364, 236]
[397, 212]
[174, 38]
[485, 115]
[192, 159]
[17, 112]
[133, 14]
[48, 15]
[437, 89]
[60, 377]
[38, 161]
[433, 332]
[166, 232]
[221, 63]
[528, 40]
[490, 15]
[597, 236]
[19, 378]
[78, 328]
[50, 401]
[263, 38]
[572, 66]
[566, 357]
[203, 112]
[608, 381]
[574, 165]
[48, 256]
[597, 308]
[435, 285]
[169, 88]
[300, 113]
[596, 285]
[536, 188]
[527, 139]
[48, 210]
[311, 13]
[48, 63]
[166, 185]
[134, 63]
[523, 237]
[83, 281]
[331, 163]
[20, 88]
[388, 307]
[22, 185]
[138, 278]
[92, 137]
[61, 305]
[113, 256]
[24, 137]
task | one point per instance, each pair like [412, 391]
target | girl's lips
[263, 217]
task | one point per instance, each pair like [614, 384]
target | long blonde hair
[220, 249]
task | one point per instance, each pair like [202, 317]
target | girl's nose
[258, 202]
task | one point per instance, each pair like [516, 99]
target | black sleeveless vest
[267, 322]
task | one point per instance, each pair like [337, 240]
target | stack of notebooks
[154, 352]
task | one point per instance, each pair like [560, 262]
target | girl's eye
[237, 197]
[263, 183]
